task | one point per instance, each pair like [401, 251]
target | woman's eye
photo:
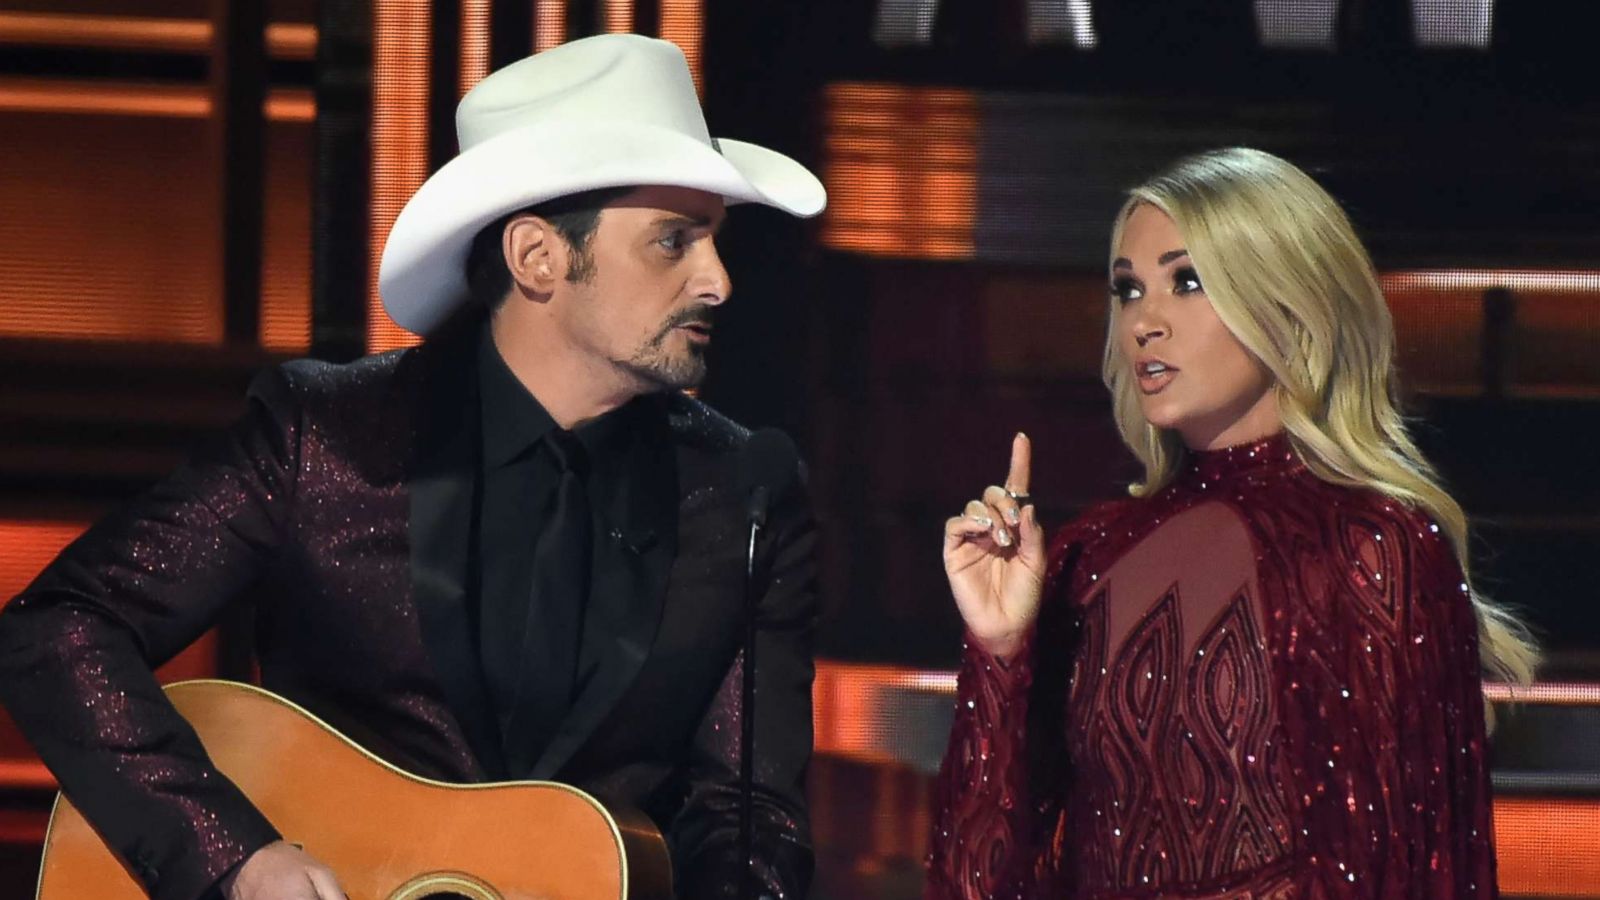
[1125, 290]
[1186, 281]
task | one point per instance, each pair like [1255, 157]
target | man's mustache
[701, 314]
[694, 315]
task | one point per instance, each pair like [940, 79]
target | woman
[1259, 675]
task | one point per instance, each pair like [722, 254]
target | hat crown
[607, 111]
[606, 78]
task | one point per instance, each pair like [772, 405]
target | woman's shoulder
[1383, 542]
[1392, 517]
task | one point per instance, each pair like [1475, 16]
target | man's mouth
[697, 331]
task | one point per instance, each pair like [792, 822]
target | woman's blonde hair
[1287, 275]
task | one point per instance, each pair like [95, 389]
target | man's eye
[674, 242]
[1125, 290]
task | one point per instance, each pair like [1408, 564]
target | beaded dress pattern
[1252, 684]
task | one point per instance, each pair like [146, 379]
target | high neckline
[1269, 455]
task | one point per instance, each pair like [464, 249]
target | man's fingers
[1018, 478]
[327, 886]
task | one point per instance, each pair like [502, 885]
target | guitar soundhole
[445, 886]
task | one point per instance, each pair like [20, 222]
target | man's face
[653, 285]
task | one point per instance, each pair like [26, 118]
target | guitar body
[386, 834]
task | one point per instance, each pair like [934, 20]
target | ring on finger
[1021, 498]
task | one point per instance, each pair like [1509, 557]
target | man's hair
[573, 217]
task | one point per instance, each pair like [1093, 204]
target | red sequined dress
[1251, 684]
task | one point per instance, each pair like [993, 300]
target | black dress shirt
[519, 473]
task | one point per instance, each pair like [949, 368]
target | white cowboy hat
[609, 111]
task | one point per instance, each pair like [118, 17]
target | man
[515, 551]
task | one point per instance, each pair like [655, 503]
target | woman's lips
[1154, 375]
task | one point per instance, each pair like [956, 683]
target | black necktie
[554, 627]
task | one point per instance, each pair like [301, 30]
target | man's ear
[532, 255]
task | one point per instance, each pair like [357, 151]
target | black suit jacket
[346, 493]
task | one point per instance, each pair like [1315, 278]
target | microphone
[767, 466]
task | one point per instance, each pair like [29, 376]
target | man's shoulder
[366, 396]
[314, 384]
[316, 377]
[710, 444]
[697, 426]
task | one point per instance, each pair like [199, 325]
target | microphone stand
[757, 510]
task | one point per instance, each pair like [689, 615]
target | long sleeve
[986, 830]
[705, 834]
[78, 646]
[1383, 718]
[997, 799]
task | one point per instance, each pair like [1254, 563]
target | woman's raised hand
[994, 556]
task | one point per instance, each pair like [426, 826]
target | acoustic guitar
[386, 834]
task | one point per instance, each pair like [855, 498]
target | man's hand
[281, 871]
[994, 556]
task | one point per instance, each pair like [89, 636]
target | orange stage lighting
[58, 95]
[1548, 338]
[683, 23]
[900, 164]
[106, 32]
[292, 40]
[618, 16]
[27, 774]
[1547, 847]
[400, 50]
[474, 44]
[290, 105]
[26, 546]
[854, 707]
[286, 225]
[1565, 281]
[285, 40]
[1545, 693]
[76, 143]
[549, 24]
[156, 277]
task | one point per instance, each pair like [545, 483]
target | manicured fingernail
[985, 521]
[1013, 516]
[1003, 537]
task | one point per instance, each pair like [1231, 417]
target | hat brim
[421, 276]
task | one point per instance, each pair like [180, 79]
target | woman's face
[1193, 376]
